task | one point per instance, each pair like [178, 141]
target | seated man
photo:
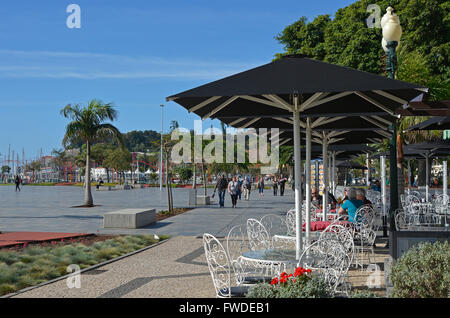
[351, 205]
[317, 199]
[362, 194]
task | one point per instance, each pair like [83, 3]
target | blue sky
[133, 53]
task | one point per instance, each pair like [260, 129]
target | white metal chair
[220, 269]
[291, 223]
[237, 243]
[364, 235]
[274, 224]
[329, 257]
[258, 236]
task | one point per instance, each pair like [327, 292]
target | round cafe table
[271, 262]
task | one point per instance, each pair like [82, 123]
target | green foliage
[184, 173]
[306, 286]
[363, 294]
[141, 141]
[6, 169]
[118, 159]
[346, 40]
[423, 272]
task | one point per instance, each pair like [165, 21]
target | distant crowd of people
[237, 186]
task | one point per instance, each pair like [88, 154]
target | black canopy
[425, 108]
[325, 90]
[434, 123]
[439, 148]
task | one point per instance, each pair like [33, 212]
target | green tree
[118, 159]
[88, 124]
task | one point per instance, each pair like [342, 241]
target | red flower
[274, 281]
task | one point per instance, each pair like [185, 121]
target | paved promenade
[177, 268]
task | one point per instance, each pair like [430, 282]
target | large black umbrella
[428, 149]
[434, 123]
[295, 85]
[323, 88]
[425, 108]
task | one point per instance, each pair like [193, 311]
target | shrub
[301, 284]
[363, 294]
[423, 272]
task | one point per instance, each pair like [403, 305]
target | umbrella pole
[383, 193]
[444, 177]
[308, 181]
[444, 187]
[409, 176]
[297, 178]
[368, 170]
[334, 173]
[325, 177]
[427, 175]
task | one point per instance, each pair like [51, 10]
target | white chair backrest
[329, 257]
[291, 223]
[257, 235]
[237, 241]
[274, 224]
[218, 265]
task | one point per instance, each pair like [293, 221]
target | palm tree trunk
[88, 201]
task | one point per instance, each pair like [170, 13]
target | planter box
[129, 218]
[401, 241]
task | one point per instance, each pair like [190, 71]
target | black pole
[393, 182]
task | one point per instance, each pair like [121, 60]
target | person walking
[221, 186]
[239, 190]
[246, 188]
[17, 181]
[261, 186]
[232, 190]
[282, 183]
[275, 186]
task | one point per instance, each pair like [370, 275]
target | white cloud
[87, 65]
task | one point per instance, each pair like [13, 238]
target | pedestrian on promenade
[239, 190]
[17, 182]
[275, 186]
[247, 187]
[232, 190]
[282, 182]
[221, 187]
[261, 186]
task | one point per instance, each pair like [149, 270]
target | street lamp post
[161, 153]
[392, 32]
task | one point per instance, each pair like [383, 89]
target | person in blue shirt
[355, 200]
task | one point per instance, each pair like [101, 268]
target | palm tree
[87, 124]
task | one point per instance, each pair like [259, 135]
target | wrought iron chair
[275, 224]
[329, 257]
[237, 243]
[220, 269]
[363, 234]
[258, 236]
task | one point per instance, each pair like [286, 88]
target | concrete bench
[203, 200]
[129, 218]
